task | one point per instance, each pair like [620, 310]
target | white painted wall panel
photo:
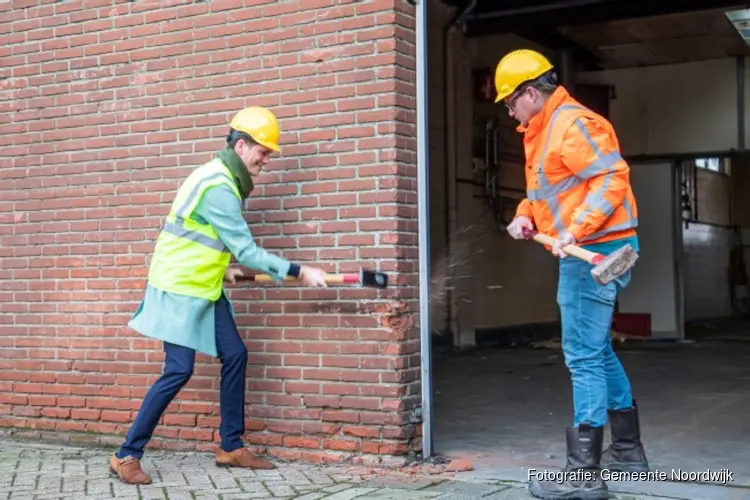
[652, 289]
[658, 111]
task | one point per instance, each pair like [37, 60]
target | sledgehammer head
[609, 267]
[373, 279]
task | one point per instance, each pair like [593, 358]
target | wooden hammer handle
[590, 257]
[331, 279]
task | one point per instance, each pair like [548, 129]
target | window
[718, 165]
[713, 164]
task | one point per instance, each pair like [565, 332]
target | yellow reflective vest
[189, 258]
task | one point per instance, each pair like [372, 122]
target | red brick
[342, 444]
[116, 416]
[196, 434]
[124, 121]
[301, 442]
[81, 414]
[362, 432]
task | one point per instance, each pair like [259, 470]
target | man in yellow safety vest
[185, 306]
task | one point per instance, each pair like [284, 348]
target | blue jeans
[586, 307]
[178, 368]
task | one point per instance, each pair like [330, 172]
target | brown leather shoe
[128, 470]
[241, 457]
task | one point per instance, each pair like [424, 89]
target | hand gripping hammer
[606, 267]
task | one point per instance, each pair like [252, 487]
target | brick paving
[46, 471]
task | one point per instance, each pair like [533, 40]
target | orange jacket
[576, 179]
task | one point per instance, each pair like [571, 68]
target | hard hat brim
[269, 145]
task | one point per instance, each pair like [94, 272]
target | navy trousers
[178, 368]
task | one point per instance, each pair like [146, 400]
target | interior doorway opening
[672, 81]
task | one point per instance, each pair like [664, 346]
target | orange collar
[540, 120]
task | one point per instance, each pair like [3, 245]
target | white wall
[653, 289]
[657, 110]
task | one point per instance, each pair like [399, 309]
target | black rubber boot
[626, 452]
[581, 478]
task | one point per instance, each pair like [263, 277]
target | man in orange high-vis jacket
[578, 191]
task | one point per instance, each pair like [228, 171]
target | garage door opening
[672, 80]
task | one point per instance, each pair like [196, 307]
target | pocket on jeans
[607, 292]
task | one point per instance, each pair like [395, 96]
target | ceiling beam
[540, 18]
[585, 60]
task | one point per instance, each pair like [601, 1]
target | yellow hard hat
[260, 124]
[516, 68]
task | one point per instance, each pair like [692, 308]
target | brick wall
[105, 110]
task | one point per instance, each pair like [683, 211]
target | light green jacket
[189, 321]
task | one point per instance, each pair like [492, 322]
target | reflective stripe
[548, 192]
[190, 258]
[632, 219]
[596, 200]
[611, 229]
[602, 164]
[178, 229]
[631, 223]
[181, 212]
[545, 187]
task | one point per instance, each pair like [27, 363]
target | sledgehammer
[372, 279]
[606, 267]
